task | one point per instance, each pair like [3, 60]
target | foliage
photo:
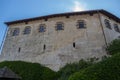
[69, 69]
[108, 69]
[30, 71]
[114, 47]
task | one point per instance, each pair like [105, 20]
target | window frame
[116, 28]
[81, 24]
[27, 30]
[42, 28]
[59, 26]
[16, 32]
[107, 24]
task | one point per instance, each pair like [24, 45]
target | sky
[11, 10]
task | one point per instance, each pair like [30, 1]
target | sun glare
[78, 6]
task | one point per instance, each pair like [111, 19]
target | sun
[78, 6]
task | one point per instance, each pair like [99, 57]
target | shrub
[114, 47]
[30, 71]
[69, 69]
[108, 69]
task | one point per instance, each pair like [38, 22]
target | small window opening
[116, 28]
[91, 14]
[26, 22]
[42, 28]
[67, 16]
[119, 37]
[107, 24]
[27, 30]
[74, 44]
[81, 24]
[19, 49]
[16, 32]
[44, 47]
[46, 19]
[59, 26]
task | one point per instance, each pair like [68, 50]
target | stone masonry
[89, 42]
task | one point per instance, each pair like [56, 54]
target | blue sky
[11, 10]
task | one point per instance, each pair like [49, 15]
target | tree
[114, 47]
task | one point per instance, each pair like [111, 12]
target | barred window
[27, 30]
[107, 24]
[42, 28]
[116, 28]
[81, 24]
[16, 32]
[59, 26]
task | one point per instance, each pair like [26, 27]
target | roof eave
[66, 14]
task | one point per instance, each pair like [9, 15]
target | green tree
[114, 47]
[69, 69]
[108, 69]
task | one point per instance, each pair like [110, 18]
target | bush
[108, 69]
[69, 69]
[30, 71]
[114, 47]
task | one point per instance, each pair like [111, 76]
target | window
[42, 28]
[107, 24]
[27, 30]
[26, 22]
[91, 14]
[81, 24]
[46, 19]
[19, 49]
[67, 16]
[116, 28]
[118, 37]
[74, 44]
[59, 26]
[16, 32]
[44, 47]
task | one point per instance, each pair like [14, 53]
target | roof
[7, 73]
[67, 14]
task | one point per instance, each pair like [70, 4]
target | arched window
[116, 28]
[107, 24]
[81, 24]
[16, 32]
[27, 30]
[42, 28]
[59, 26]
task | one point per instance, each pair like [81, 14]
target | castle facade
[57, 39]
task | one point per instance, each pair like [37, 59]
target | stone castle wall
[89, 41]
[110, 34]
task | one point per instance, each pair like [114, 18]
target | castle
[57, 39]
